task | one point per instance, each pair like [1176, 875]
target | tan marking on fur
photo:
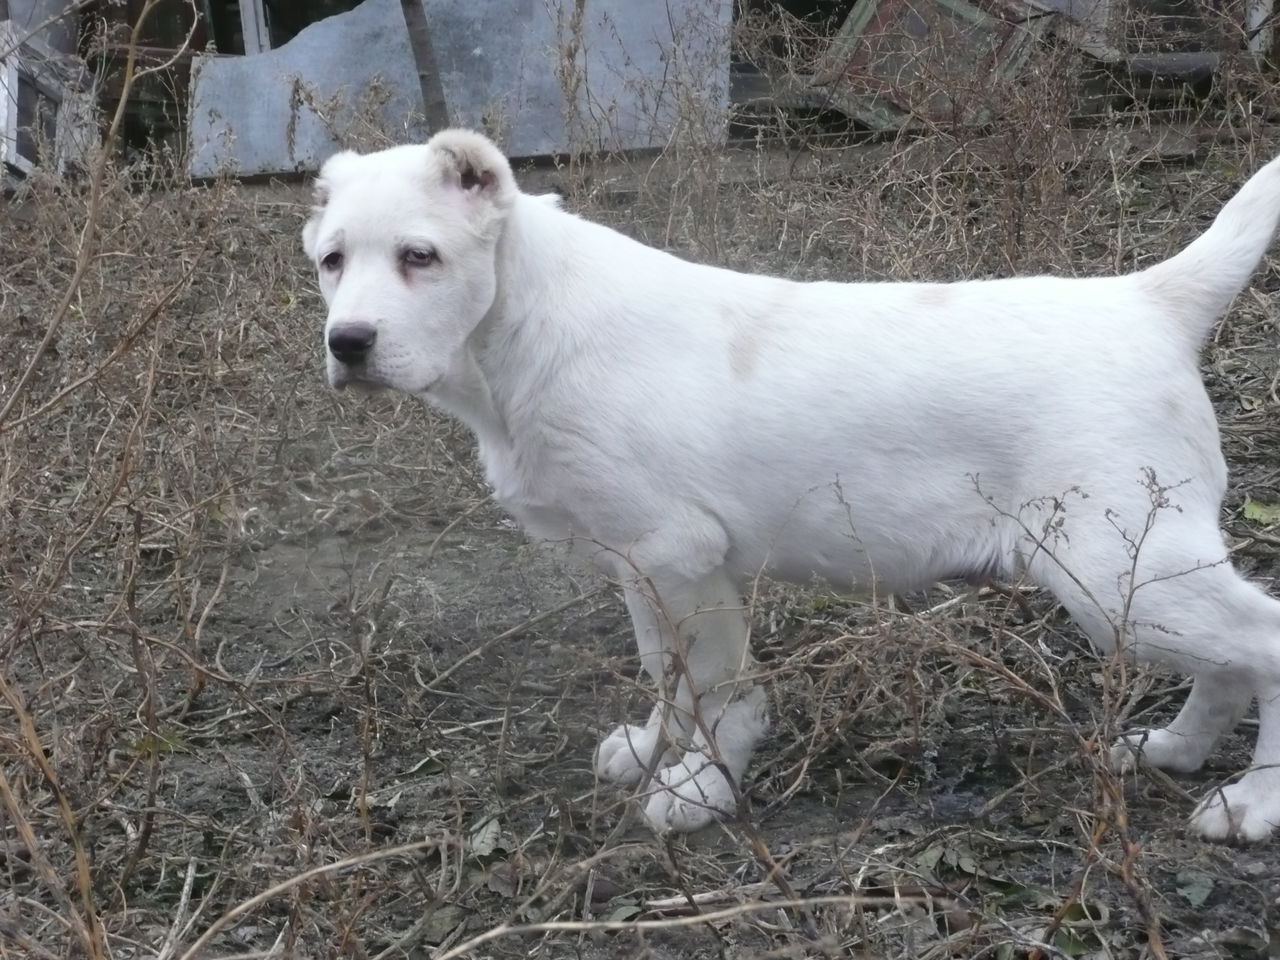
[744, 352]
[748, 334]
[934, 296]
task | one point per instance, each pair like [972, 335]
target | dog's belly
[868, 566]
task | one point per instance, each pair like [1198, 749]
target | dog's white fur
[700, 425]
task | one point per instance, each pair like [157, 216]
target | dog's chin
[346, 380]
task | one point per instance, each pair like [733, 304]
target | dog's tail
[1199, 283]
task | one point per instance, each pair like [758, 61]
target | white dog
[698, 426]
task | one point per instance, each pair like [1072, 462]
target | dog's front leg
[625, 755]
[693, 639]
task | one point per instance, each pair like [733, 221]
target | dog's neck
[527, 248]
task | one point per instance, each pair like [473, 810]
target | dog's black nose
[351, 342]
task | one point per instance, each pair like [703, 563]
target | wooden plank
[626, 175]
[434, 106]
[898, 62]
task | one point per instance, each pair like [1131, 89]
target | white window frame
[17, 67]
[253, 27]
[257, 35]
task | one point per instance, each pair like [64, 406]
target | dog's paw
[1160, 748]
[623, 756]
[1245, 812]
[688, 796]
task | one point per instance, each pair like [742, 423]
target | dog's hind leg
[1213, 708]
[1172, 597]
[1249, 809]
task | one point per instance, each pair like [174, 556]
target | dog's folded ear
[473, 164]
[309, 231]
[320, 196]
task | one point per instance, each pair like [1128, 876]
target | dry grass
[278, 680]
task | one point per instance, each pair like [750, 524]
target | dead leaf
[485, 838]
[504, 879]
[1194, 887]
[442, 922]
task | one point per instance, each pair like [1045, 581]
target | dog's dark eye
[417, 257]
[332, 261]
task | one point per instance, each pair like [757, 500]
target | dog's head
[404, 241]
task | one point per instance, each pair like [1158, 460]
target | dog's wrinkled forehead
[387, 187]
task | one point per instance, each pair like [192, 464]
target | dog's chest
[522, 485]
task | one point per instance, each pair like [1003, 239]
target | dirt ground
[296, 632]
